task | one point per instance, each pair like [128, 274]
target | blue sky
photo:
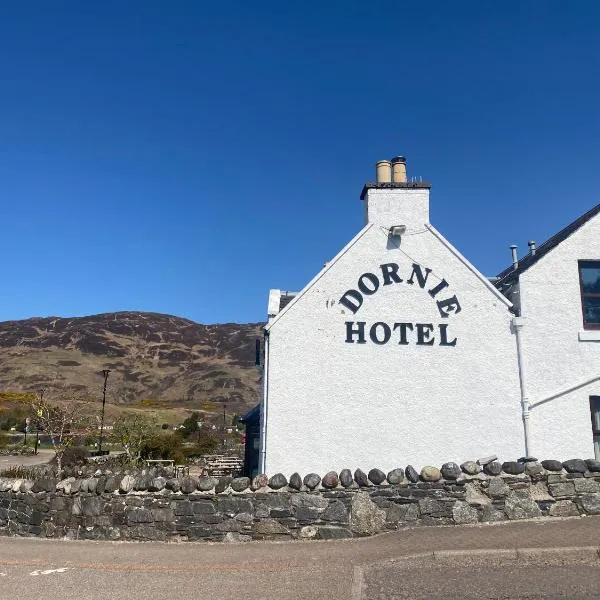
[184, 157]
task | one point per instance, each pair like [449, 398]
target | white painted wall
[555, 357]
[333, 405]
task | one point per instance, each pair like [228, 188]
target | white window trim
[589, 335]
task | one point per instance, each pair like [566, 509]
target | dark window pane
[590, 279]
[591, 310]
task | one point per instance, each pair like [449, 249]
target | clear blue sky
[184, 157]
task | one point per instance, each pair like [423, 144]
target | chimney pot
[515, 257]
[532, 247]
[399, 169]
[384, 171]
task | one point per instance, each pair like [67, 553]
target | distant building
[400, 351]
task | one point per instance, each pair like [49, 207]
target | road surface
[440, 562]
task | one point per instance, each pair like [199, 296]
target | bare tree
[63, 424]
[131, 431]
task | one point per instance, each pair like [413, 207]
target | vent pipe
[384, 171]
[515, 258]
[399, 169]
[532, 248]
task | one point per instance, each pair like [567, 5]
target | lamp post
[37, 422]
[105, 373]
[224, 439]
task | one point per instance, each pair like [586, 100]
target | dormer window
[589, 279]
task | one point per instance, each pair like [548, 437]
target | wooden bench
[223, 465]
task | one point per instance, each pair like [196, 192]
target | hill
[157, 362]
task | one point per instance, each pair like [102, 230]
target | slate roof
[285, 299]
[530, 259]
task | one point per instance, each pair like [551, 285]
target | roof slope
[551, 243]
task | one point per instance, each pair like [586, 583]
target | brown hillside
[156, 361]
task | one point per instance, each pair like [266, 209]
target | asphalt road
[405, 564]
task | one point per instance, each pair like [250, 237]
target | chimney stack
[392, 201]
[515, 257]
[532, 247]
[399, 169]
[384, 171]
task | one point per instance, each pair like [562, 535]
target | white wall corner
[274, 301]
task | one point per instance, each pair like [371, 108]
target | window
[595, 410]
[589, 280]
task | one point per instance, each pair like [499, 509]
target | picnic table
[223, 465]
[159, 462]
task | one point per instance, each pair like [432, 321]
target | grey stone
[92, 507]
[492, 468]
[586, 486]
[308, 532]
[206, 483]
[470, 467]
[430, 474]
[558, 490]
[203, 507]
[486, 460]
[330, 480]
[366, 518]
[397, 513]
[333, 533]
[262, 511]
[336, 511]
[268, 527]
[575, 465]
[76, 485]
[450, 471]
[411, 474]
[497, 488]
[189, 485]
[593, 465]
[277, 481]
[432, 507]
[162, 515]
[527, 459]
[376, 476]
[229, 525]
[260, 481]
[312, 480]
[92, 485]
[244, 517]
[534, 469]
[489, 514]
[157, 484]
[590, 503]
[173, 484]
[563, 508]
[46, 484]
[361, 478]
[306, 500]
[474, 495]
[138, 515]
[234, 537]
[295, 481]
[462, 513]
[26, 486]
[142, 482]
[395, 476]
[552, 465]
[224, 482]
[346, 478]
[513, 467]
[240, 484]
[539, 492]
[520, 505]
[127, 484]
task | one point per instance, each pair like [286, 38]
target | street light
[105, 373]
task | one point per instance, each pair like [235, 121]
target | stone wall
[147, 506]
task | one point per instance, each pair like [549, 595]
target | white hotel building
[399, 351]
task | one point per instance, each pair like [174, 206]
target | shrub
[166, 446]
[73, 456]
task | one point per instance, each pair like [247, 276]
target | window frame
[580, 265]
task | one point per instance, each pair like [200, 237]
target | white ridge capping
[320, 274]
[469, 266]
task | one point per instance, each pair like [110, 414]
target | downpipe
[517, 324]
[262, 462]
